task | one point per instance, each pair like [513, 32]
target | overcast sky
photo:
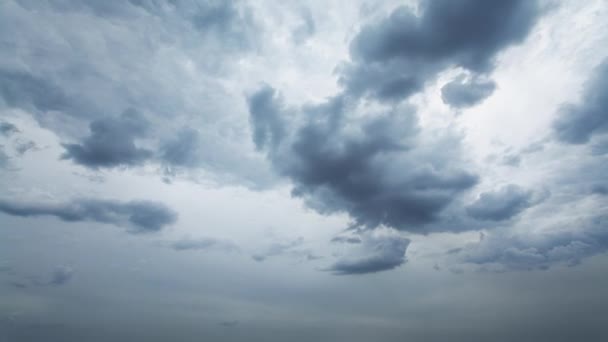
[343, 170]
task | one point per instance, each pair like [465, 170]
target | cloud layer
[540, 251]
[345, 170]
[134, 94]
[136, 216]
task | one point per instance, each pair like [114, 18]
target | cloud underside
[375, 253]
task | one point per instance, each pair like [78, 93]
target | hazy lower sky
[432, 170]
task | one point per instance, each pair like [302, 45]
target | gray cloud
[577, 123]
[61, 275]
[22, 146]
[104, 9]
[362, 154]
[111, 143]
[600, 147]
[380, 168]
[188, 244]
[229, 21]
[500, 252]
[229, 324]
[7, 128]
[396, 57]
[19, 285]
[513, 160]
[306, 29]
[72, 81]
[4, 158]
[501, 204]
[225, 20]
[373, 167]
[346, 239]
[291, 248]
[266, 113]
[376, 253]
[136, 216]
[568, 227]
[24, 90]
[462, 92]
[183, 150]
[599, 189]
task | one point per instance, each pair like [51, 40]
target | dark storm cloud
[396, 57]
[577, 123]
[7, 128]
[380, 168]
[502, 204]
[136, 216]
[541, 250]
[374, 254]
[374, 168]
[111, 142]
[461, 93]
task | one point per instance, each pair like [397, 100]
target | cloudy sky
[200, 170]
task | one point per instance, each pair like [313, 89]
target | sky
[425, 170]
